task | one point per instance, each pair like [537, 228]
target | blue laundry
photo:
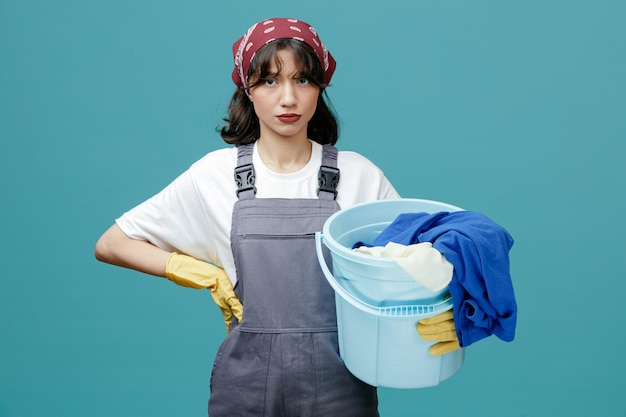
[481, 287]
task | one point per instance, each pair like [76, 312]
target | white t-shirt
[192, 215]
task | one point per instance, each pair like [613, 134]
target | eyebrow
[297, 74]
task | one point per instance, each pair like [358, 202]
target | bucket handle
[435, 308]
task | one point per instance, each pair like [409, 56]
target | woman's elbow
[105, 246]
[100, 251]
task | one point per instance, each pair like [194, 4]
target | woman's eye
[303, 81]
[269, 82]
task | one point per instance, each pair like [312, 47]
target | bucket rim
[351, 254]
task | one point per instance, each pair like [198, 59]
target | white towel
[421, 261]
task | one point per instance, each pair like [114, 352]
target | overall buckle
[244, 178]
[328, 179]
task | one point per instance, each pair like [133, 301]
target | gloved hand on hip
[193, 273]
[439, 328]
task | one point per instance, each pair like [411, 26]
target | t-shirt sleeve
[175, 219]
[362, 181]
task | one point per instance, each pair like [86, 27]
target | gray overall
[283, 358]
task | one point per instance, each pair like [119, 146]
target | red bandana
[271, 29]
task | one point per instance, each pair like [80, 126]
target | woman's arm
[116, 248]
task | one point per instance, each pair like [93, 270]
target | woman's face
[284, 101]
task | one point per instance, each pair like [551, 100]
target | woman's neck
[284, 156]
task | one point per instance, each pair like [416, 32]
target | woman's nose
[288, 94]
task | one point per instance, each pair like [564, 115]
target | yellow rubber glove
[439, 328]
[193, 273]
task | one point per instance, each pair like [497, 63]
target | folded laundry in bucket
[420, 261]
[481, 287]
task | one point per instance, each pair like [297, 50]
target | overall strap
[244, 172]
[328, 176]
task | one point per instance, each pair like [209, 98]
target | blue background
[514, 109]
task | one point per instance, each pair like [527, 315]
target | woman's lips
[289, 117]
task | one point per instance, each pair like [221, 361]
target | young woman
[253, 209]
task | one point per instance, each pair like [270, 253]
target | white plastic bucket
[378, 304]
